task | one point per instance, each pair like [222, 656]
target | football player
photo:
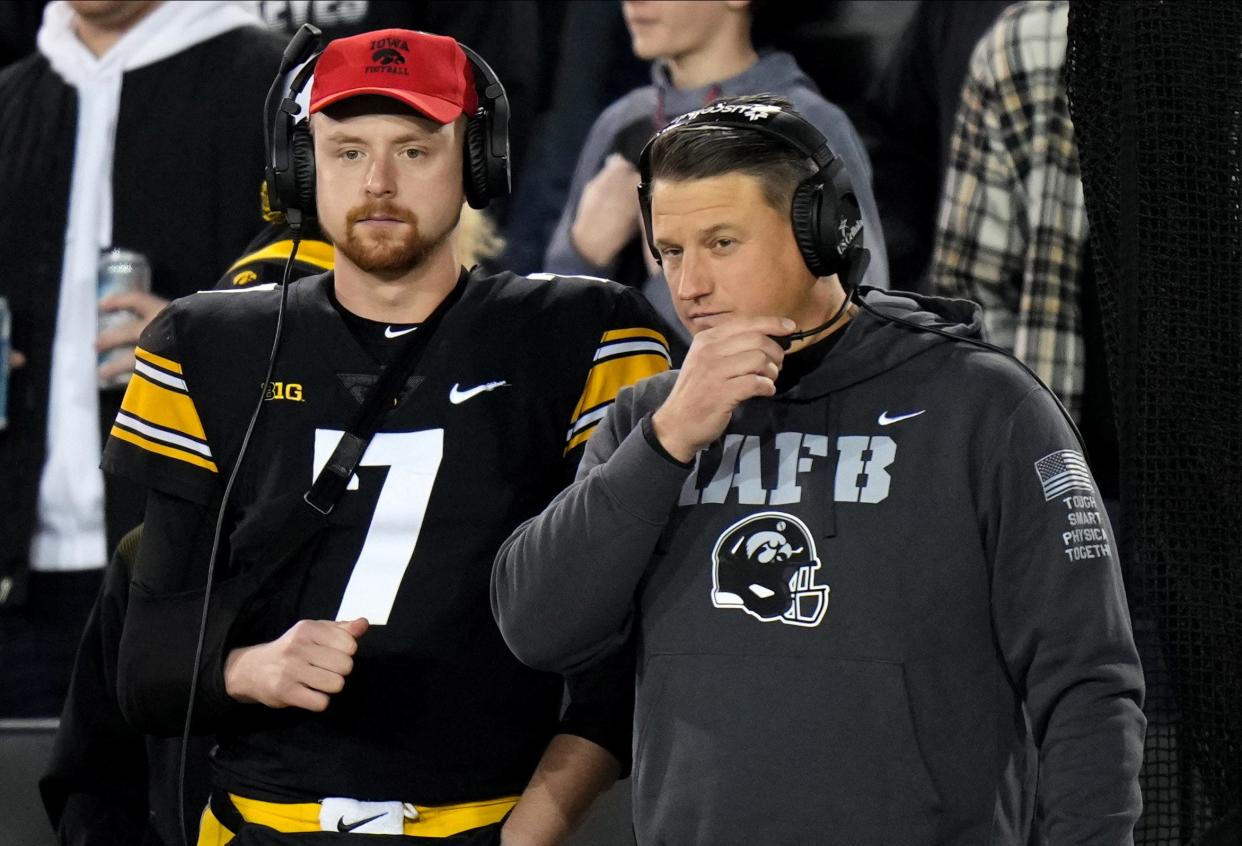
[362, 687]
[106, 782]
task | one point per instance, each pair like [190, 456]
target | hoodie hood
[168, 29]
[873, 345]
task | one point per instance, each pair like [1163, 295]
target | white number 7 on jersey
[412, 459]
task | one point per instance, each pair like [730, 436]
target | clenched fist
[300, 669]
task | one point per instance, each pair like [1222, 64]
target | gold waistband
[432, 821]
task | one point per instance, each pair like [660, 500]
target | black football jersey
[489, 427]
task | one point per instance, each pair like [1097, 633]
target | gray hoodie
[774, 73]
[879, 610]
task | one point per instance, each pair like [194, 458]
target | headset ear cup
[302, 163]
[805, 213]
[477, 193]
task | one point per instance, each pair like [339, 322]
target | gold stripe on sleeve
[605, 380]
[633, 334]
[158, 360]
[161, 406]
[163, 449]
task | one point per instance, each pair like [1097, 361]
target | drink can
[6, 330]
[120, 271]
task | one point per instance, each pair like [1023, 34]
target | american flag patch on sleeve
[1063, 471]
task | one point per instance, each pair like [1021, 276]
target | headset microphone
[304, 42]
[853, 279]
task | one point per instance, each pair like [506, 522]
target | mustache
[380, 208]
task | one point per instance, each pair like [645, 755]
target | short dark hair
[696, 152]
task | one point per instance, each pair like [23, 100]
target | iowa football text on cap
[399, 43]
[384, 54]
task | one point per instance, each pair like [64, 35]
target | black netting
[1156, 97]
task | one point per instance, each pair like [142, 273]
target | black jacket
[106, 783]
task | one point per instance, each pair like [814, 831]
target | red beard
[383, 252]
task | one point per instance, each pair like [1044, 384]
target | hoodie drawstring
[829, 476]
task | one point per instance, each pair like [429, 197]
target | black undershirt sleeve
[176, 544]
[163, 619]
[601, 705]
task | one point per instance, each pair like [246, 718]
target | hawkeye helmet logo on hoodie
[765, 564]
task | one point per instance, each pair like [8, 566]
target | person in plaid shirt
[1012, 228]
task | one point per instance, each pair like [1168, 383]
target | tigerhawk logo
[387, 56]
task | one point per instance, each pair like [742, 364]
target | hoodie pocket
[779, 749]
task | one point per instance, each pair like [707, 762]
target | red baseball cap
[428, 73]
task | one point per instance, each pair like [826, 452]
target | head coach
[874, 594]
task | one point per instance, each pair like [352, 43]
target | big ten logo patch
[290, 391]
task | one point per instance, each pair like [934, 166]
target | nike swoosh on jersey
[457, 397]
[389, 333]
[885, 420]
[342, 827]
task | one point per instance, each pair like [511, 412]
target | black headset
[827, 224]
[291, 153]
